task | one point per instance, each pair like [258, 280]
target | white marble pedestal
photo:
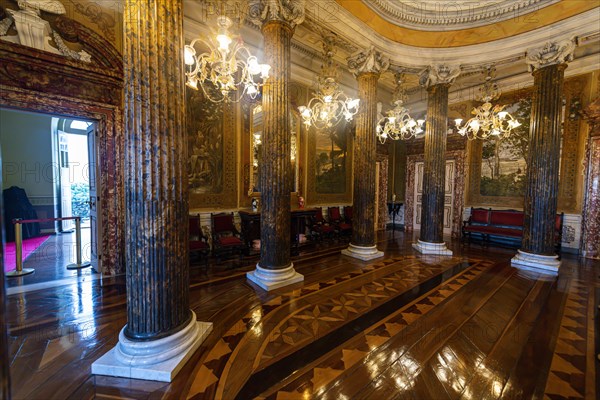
[362, 253]
[536, 261]
[154, 360]
[270, 279]
[438, 249]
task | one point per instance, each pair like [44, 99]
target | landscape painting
[504, 161]
[330, 160]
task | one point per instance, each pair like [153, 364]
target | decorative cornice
[439, 74]
[446, 16]
[289, 11]
[365, 61]
[551, 53]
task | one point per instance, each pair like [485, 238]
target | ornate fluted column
[590, 238]
[437, 79]
[367, 66]
[548, 65]
[278, 20]
[161, 331]
[4, 349]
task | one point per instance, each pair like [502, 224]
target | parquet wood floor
[403, 326]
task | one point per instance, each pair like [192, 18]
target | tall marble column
[4, 349]
[437, 79]
[278, 20]
[367, 65]
[548, 65]
[161, 331]
[590, 238]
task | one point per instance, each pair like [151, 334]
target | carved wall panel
[40, 81]
[572, 147]
[460, 172]
[382, 191]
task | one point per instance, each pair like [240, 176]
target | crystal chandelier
[225, 67]
[329, 104]
[489, 120]
[398, 124]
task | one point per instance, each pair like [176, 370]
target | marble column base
[362, 253]
[154, 360]
[438, 249]
[270, 279]
[537, 261]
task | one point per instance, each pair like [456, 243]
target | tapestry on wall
[499, 168]
[205, 144]
[504, 161]
[331, 159]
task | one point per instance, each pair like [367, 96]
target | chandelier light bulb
[224, 42]
[264, 71]
[188, 55]
[253, 66]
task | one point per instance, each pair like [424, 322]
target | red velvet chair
[226, 238]
[348, 214]
[335, 218]
[198, 242]
[321, 228]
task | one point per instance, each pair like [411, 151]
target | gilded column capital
[439, 74]
[551, 53]
[369, 60]
[291, 12]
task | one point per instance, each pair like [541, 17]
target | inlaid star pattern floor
[405, 326]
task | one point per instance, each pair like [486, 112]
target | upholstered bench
[501, 225]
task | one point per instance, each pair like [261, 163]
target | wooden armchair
[198, 242]
[226, 238]
[321, 228]
[335, 218]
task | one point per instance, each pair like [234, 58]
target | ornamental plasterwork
[369, 60]
[439, 74]
[434, 15]
[551, 53]
[290, 11]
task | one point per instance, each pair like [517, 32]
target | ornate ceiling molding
[452, 15]
[344, 24]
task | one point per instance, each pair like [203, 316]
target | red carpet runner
[29, 246]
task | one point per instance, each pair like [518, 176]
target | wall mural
[498, 168]
[331, 160]
[212, 141]
[205, 144]
[504, 164]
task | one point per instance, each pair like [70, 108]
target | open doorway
[47, 159]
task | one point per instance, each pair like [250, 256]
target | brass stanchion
[19, 271]
[79, 264]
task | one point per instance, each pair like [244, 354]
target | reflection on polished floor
[404, 326]
[50, 262]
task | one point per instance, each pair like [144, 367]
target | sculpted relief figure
[34, 31]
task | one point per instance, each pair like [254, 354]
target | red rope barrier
[27, 221]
